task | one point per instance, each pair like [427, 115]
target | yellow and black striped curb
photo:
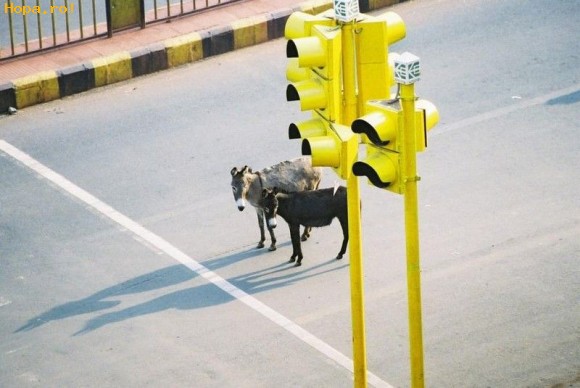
[51, 85]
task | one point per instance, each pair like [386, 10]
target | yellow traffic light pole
[354, 221]
[317, 79]
[412, 236]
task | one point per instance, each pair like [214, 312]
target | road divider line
[164, 246]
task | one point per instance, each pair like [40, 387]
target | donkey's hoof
[272, 248]
[338, 257]
[297, 264]
[292, 259]
[260, 245]
[304, 237]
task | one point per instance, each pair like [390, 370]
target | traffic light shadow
[162, 278]
[190, 298]
[567, 99]
[205, 295]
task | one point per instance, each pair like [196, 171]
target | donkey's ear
[234, 171]
[245, 169]
[265, 193]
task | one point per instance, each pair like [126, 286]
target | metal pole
[39, 25]
[25, 26]
[354, 221]
[53, 24]
[67, 21]
[11, 29]
[109, 18]
[81, 24]
[412, 236]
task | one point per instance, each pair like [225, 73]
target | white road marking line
[164, 246]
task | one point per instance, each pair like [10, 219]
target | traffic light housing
[381, 130]
[299, 24]
[328, 144]
[427, 116]
[314, 71]
[374, 70]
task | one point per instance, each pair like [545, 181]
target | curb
[51, 85]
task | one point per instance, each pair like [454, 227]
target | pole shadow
[567, 99]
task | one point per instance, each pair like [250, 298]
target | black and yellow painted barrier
[52, 85]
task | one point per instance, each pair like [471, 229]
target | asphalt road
[148, 276]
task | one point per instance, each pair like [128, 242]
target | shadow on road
[568, 99]
[202, 296]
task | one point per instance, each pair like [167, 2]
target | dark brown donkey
[309, 208]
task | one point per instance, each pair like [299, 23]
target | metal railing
[29, 26]
[157, 10]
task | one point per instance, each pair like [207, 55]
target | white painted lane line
[461, 124]
[162, 245]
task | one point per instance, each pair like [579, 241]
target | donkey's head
[240, 185]
[269, 203]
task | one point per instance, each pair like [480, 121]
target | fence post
[109, 19]
[123, 14]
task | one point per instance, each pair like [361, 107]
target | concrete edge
[51, 85]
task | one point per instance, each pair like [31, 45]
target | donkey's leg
[296, 248]
[260, 214]
[306, 233]
[344, 226]
[272, 237]
[308, 229]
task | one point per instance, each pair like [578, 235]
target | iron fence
[166, 9]
[29, 26]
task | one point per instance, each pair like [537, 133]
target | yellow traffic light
[307, 128]
[325, 150]
[396, 29]
[374, 73]
[381, 129]
[381, 125]
[295, 73]
[337, 148]
[310, 92]
[314, 70]
[427, 116]
[299, 24]
[382, 167]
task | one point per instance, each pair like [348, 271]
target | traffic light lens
[292, 93]
[291, 50]
[293, 132]
[306, 150]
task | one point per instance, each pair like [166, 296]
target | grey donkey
[291, 176]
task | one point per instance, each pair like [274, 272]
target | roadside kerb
[51, 85]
